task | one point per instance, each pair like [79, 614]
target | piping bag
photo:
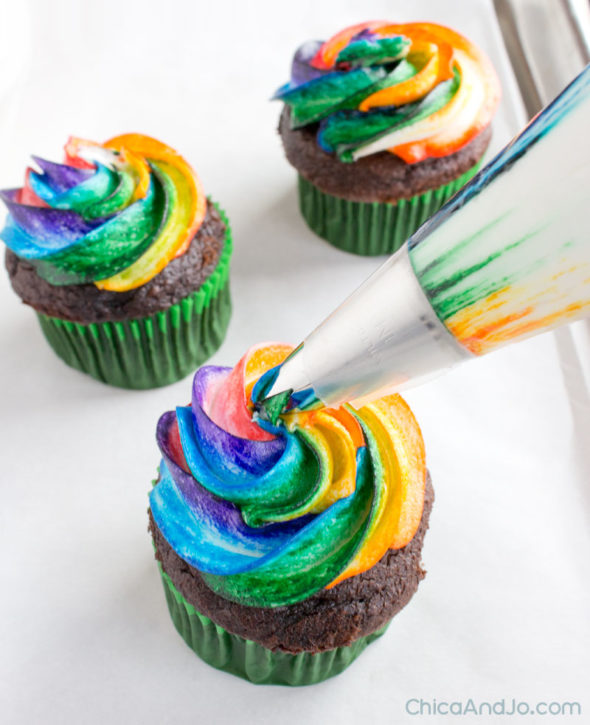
[506, 258]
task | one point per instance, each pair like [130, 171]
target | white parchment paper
[85, 636]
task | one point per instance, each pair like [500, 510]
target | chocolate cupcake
[124, 259]
[384, 122]
[285, 549]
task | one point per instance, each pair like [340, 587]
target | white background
[85, 636]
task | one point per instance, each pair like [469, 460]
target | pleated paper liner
[250, 660]
[149, 352]
[371, 228]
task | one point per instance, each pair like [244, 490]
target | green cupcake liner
[371, 228]
[148, 352]
[250, 660]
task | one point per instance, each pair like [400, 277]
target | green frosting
[347, 131]
[370, 51]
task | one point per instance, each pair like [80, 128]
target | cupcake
[124, 259]
[384, 122]
[285, 549]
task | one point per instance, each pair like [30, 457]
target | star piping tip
[271, 408]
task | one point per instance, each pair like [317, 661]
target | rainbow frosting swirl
[113, 214]
[271, 514]
[417, 90]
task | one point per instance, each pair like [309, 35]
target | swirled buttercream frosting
[270, 514]
[113, 214]
[417, 90]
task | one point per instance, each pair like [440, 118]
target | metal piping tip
[285, 387]
[289, 375]
[271, 408]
